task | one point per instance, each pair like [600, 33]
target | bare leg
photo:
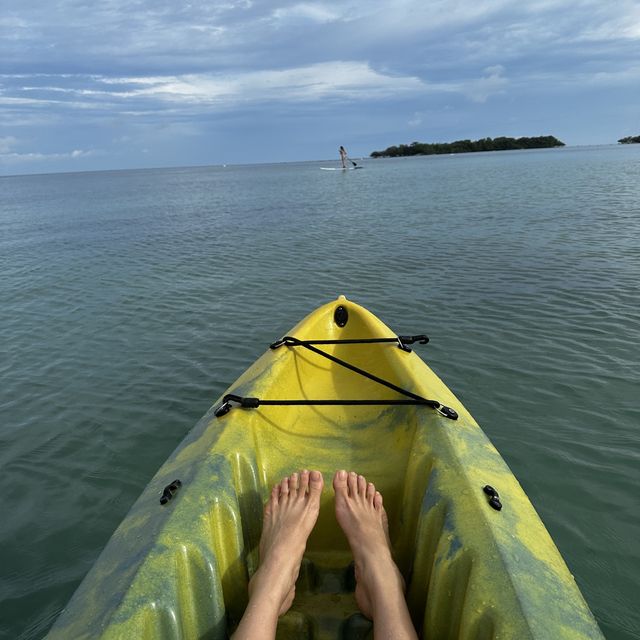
[379, 586]
[289, 516]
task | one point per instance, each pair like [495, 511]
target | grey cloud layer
[68, 63]
[143, 36]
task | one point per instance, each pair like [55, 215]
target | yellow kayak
[341, 391]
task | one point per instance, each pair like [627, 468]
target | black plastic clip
[169, 491]
[279, 343]
[447, 412]
[403, 341]
[230, 400]
[494, 498]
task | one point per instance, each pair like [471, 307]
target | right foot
[289, 516]
[361, 515]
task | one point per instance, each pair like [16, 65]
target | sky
[118, 84]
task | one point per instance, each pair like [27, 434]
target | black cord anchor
[169, 491]
[494, 498]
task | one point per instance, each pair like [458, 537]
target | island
[630, 140]
[466, 146]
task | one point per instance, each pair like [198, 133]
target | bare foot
[379, 584]
[289, 516]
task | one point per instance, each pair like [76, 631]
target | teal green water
[130, 300]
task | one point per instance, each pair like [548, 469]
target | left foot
[361, 514]
[289, 516]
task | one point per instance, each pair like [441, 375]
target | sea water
[130, 300]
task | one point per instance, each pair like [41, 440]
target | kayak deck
[181, 570]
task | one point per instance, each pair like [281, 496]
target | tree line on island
[465, 146]
[630, 140]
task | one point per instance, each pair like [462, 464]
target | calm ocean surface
[130, 300]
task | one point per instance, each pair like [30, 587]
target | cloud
[609, 23]
[96, 73]
[320, 82]
[493, 82]
[187, 37]
[7, 143]
[329, 80]
[324, 83]
[9, 158]
[306, 13]
[622, 77]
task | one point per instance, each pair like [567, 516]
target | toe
[371, 492]
[303, 486]
[284, 488]
[316, 482]
[377, 501]
[352, 483]
[385, 525]
[340, 483]
[362, 486]
[294, 480]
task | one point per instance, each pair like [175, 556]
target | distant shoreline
[468, 146]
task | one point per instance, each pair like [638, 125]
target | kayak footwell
[324, 606]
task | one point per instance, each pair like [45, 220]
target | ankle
[283, 555]
[269, 588]
[379, 572]
[372, 552]
[279, 572]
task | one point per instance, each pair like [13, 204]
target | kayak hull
[181, 570]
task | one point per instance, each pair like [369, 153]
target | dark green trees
[465, 146]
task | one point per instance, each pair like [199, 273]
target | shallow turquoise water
[130, 300]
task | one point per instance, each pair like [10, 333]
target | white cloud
[327, 83]
[306, 12]
[338, 80]
[611, 21]
[12, 24]
[324, 81]
[7, 143]
[19, 158]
